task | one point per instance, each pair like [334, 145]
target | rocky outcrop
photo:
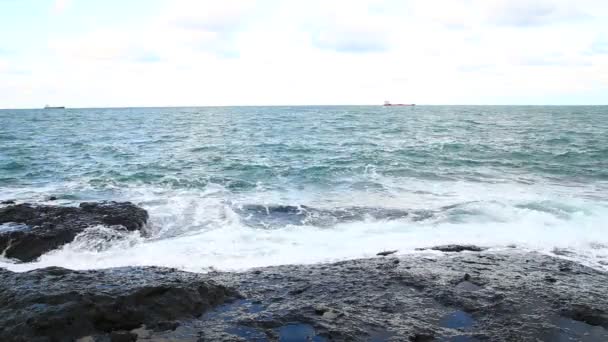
[56, 304]
[38, 229]
[280, 215]
[454, 248]
[506, 296]
[484, 296]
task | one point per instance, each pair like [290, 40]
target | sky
[115, 53]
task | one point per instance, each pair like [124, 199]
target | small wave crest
[215, 227]
[198, 231]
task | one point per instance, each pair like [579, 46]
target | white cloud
[60, 6]
[533, 13]
[319, 52]
[510, 13]
[208, 15]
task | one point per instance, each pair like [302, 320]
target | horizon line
[311, 105]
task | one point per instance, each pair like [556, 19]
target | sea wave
[215, 228]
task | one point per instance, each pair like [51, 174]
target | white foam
[197, 230]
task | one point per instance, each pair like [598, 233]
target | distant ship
[54, 107]
[388, 104]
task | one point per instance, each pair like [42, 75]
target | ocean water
[236, 187]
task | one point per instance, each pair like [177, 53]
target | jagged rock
[123, 336]
[56, 304]
[44, 228]
[486, 296]
[470, 296]
[385, 253]
[280, 215]
[454, 248]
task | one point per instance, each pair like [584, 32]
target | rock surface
[43, 228]
[56, 304]
[485, 296]
[455, 297]
[454, 248]
[386, 253]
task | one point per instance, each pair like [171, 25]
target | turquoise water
[235, 187]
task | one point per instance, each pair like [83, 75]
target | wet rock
[422, 338]
[385, 253]
[57, 304]
[489, 296]
[469, 296]
[52, 198]
[7, 202]
[590, 314]
[454, 248]
[550, 279]
[123, 336]
[280, 215]
[50, 227]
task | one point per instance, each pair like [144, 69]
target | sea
[230, 188]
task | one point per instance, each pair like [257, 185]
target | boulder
[454, 248]
[56, 304]
[42, 228]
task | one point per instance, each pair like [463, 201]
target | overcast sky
[88, 53]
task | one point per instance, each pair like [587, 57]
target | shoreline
[463, 296]
[466, 293]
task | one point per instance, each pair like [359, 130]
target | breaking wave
[214, 228]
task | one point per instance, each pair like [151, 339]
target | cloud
[525, 13]
[352, 29]
[147, 58]
[474, 67]
[60, 6]
[474, 14]
[207, 25]
[351, 40]
[100, 45]
[599, 47]
[209, 16]
[180, 31]
[9, 69]
[555, 61]
[315, 52]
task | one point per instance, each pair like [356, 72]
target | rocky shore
[37, 229]
[449, 293]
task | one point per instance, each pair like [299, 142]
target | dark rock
[52, 198]
[62, 305]
[7, 202]
[422, 338]
[50, 227]
[454, 248]
[165, 325]
[385, 253]
[125, 214]
[320, 310]
[504, 298]
[123, 336]
[266, 216]
[589, 314]
[550, 279]
[419, 299]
